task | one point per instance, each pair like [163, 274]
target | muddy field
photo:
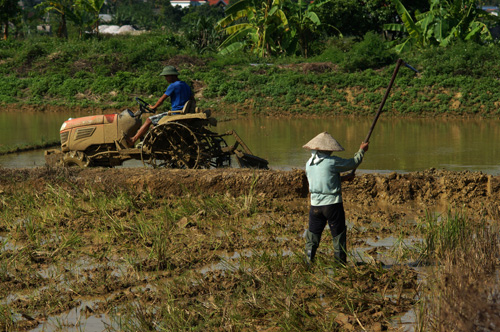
[388, 195]
[141, 249]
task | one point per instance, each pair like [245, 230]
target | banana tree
[258, 24]
[63, 8]
[88, 12]
[445, 22]
[304, 23]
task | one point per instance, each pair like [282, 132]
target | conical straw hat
[323, 142]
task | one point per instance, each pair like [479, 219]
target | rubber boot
[339, 248]
[312, 244]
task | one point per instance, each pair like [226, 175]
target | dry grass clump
[462, 289]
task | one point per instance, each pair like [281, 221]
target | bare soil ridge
[474, 191]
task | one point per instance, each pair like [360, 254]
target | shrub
[461, 59]
[369, 53]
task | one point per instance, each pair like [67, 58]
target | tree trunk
[6, 31]
[62, 31]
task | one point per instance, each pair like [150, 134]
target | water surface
[401, 145]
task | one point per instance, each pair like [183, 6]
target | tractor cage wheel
[171, 145]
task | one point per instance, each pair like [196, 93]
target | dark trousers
[334, 215]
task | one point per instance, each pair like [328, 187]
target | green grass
[108, 72]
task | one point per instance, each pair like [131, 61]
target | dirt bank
[368, 193]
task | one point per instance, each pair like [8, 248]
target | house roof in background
[218, 2]
[184, 3]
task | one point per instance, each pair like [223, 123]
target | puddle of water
[77, 319]
[220, 266]
[82, 317]
[51, 272]
[406, 322]
[6, 245]
[230, 262]
[390, 241]
[384, 252]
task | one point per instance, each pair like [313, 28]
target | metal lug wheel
[212, 150]
[171, 145]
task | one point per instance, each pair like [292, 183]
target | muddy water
[401, 145]
[396, 144]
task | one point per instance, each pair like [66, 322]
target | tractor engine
[81, 133]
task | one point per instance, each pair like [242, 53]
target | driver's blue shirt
[179, 93]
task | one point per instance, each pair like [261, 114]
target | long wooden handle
[398, 64]
[394, 74]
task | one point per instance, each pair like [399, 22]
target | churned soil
[390, 195]
[377, 206]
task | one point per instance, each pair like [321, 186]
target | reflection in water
[401, 145]
[25, 159]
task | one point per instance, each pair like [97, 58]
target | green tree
[137, 13]
[356, 18]
[61, 7]
[9, 9]
[198, 27]
[91, 9]
[257, 24]
[444, 23]
[170, 16]
[304, 24]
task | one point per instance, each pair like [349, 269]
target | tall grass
[444, 234]
[462, 292]
[6, 318]
[200, 262]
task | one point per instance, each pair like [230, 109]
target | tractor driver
[179, 93]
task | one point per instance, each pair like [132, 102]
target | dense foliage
[348, 77]
[265, 55]
[443, 24]
[264, 27]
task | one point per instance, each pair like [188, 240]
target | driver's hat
[324, 142]
[169, 70]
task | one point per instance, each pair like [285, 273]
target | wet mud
[76, 243]
[389, 194]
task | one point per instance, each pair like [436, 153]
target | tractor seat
[189, 107]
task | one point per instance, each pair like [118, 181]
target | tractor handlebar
[143, 107]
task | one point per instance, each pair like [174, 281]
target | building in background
[187, 3]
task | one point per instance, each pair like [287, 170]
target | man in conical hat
[323, 173]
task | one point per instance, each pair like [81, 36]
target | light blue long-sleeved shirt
[323, 174]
